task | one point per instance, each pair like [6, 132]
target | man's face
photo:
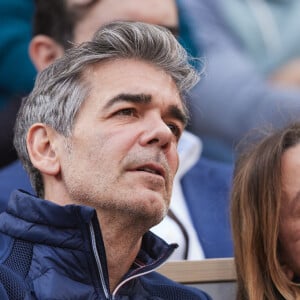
[289, 233]
[122, 156]
[160, 12]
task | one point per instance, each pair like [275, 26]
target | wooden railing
[200, 271]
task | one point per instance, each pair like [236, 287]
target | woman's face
[289, 229]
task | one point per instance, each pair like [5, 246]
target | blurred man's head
[59, 24]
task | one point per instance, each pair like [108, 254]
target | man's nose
[157, 132]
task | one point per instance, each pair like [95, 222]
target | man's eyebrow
[173, 111]
[133, 98]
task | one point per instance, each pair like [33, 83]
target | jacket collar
[42, 221]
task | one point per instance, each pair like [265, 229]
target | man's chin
[151, 214]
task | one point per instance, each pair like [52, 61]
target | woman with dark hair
[265, 215]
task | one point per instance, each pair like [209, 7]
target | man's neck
[122, 243]
[119, 261]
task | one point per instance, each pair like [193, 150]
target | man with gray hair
[98, 136]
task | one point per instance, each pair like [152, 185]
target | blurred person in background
[251, 51]
[17, 73]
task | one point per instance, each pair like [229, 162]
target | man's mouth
[152, 169]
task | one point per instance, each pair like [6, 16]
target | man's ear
[43, 50]
[41, 145]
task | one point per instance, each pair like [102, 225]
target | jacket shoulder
[160, 286]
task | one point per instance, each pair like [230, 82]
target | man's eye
[175, 129]
[126, 112]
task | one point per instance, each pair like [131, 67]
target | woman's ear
[41, 145]
[43, 50]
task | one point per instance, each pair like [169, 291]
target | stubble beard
[99, 195]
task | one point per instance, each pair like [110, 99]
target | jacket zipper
[114, 294]
[98, 262]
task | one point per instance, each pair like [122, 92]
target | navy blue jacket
[54, 252]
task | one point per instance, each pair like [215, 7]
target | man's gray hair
[60, 89]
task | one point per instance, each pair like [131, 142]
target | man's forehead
[132, 76]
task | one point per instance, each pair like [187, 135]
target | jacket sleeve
[232, 97]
